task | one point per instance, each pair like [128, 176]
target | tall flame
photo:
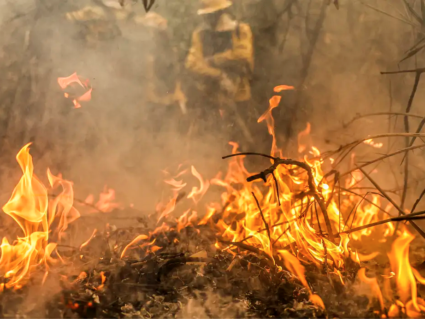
[405, 275]
[29, 207]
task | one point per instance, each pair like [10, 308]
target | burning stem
[409, 217]
[264, 220]
[312, 187]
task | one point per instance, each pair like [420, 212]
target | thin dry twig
[262, 216]
[382, 158]
[352, 145]
[365, 199]
[360, 116]
[409, 217]
[417, 202]
[420, 231]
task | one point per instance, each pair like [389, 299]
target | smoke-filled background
[331, 52]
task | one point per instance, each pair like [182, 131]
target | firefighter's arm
[242, 49]
[196, 62]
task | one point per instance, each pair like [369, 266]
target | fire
[292, 216]
[64, 82]
[284, 216]
[29, 206]
[106, 202]
[405, 276]
[372, 143]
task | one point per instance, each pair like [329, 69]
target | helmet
[153, 20]
[210, 6]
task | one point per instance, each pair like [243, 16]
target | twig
[381, 191]
[318, 222]
[264, 219]
[419, 70]
[407, 129]
[280, 236]
[277, 188]
[365, 199]
[382, 158]
[408, 217]
[418, 130]
[311, 185]
[358, 117]
[339, 204]
[420, 231]
[390, 15]
[354, 209]
[336, 180]
[356, 143]
[417, 202]
[81, 202]
[252, 249]
[390, 93]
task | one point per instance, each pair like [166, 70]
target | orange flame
[405, 276]
[30, 208]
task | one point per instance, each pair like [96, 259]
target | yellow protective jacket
[240, 55]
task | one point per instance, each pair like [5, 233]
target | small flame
[405, 275]
[103, 279]
[197, 193]
[373, 144]
[133, 242]
[107, 200]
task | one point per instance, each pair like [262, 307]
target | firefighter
[99, 22]
[221, 60]
[163, 88]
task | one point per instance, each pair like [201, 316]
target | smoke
[210, 304]
[121, 139]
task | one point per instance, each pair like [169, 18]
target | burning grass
[290, 241]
